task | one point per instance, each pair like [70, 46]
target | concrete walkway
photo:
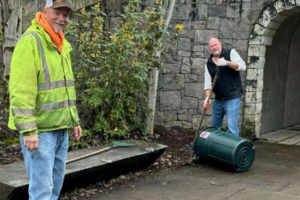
[275, 175]
[289, 136]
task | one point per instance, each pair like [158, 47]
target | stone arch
[265, 27]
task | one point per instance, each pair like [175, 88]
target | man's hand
[206, 103]
[223, 62]
[76, 133]
[31, 142]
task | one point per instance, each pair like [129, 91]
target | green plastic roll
[225, 147]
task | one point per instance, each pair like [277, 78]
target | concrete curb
[106, 165]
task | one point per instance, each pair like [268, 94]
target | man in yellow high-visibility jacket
[42, 99]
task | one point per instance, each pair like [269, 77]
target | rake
[114, 144]
[209, 98]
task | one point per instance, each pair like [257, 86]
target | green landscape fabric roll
[225, 147]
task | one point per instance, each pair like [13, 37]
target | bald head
[213, 40]
[215, 47]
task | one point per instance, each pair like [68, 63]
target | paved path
[275, 175]
[289, 136]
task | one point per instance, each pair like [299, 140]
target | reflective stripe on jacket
[41, 85]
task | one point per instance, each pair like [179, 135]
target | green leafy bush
[111, 68]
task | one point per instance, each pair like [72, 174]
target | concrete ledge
[106, 165]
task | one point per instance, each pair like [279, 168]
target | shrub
[111, 68]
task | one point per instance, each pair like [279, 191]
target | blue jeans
[230, 108]
[46, 165]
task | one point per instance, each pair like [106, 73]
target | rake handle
[88, 155]
[201, 121]
[209, 98]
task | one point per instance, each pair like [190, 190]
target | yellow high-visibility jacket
[41, 85]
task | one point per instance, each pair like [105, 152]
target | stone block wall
[180, 93]
[246, 25]
[181, 81]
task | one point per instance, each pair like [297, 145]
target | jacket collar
[67, 48]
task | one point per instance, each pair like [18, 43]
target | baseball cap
[58, 4]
